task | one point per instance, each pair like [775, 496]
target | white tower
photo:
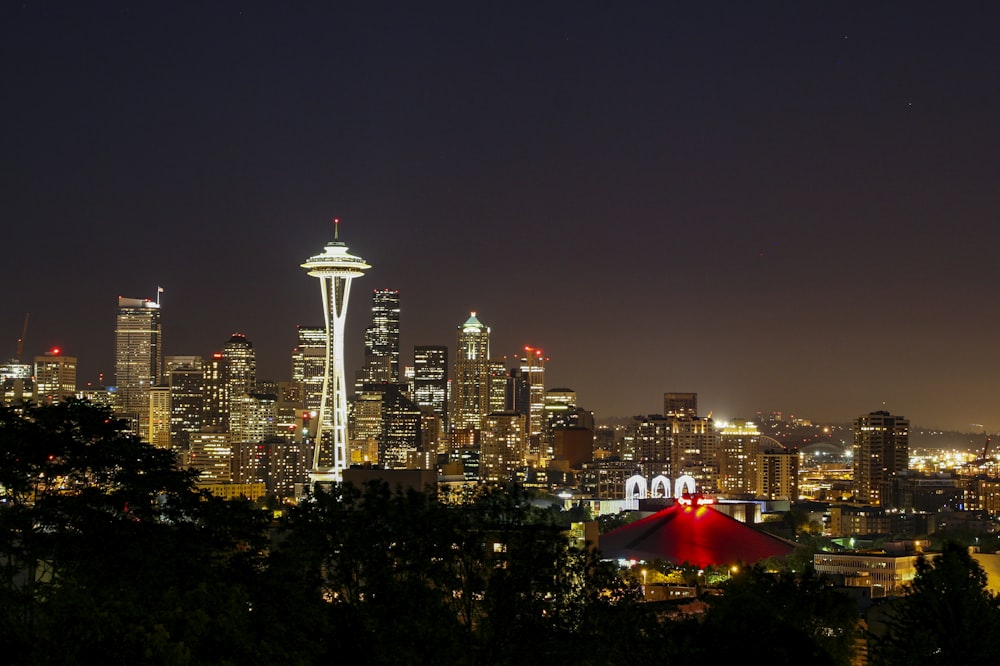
[335, 268]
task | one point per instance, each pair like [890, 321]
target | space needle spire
[335, 267]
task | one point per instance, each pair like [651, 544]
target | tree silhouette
[949, 617]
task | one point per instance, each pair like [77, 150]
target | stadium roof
[694, 534]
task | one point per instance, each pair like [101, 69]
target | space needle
[335, 267]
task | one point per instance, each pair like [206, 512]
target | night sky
[782, 206]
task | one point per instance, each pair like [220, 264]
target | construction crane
[20, 340]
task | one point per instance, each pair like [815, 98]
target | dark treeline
[110, 554]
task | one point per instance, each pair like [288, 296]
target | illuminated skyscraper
[381, 341]
[430, 379]
[677, 405]
[253, 417]
[186, 379]
[647, 440]
[504, 446]
[216, 400]
[472, 375]
[16, 382]
[138, 359]
[159, 417]
[400, 428]
[881, 450]
[55, 376]
[739, 446]
[778, 474]
[241, 366]
[533, 367]
[335, 268]
[694, 448]
[309, 364]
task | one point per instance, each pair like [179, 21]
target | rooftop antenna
[336, 228]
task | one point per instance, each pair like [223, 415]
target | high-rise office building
[471, 399]
[253, 417]
[186, 380]
[533, 369]
[336, 268]
[365, 418]
[778, 474]
[211, 455]
[677, 405]
[401, 422]
[694, 447]
[496, 392]
[138, 359]
[159, 417]
[881, 450]
[309, 364]
[241, 366]
[430, 379]
[739, 445]
[695, 451]
[504, 446]
[14, 369]
[648, 440]
[55, 376]
[381, 341]
[216, 398]
[16, 382]
[386, 426]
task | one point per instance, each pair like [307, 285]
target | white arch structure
[636, 488]
[661, 483]
[683, 482]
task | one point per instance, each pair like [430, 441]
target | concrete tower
[335, 267]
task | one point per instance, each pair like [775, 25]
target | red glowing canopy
[698, 535]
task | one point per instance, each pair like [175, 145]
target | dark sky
[780, 205]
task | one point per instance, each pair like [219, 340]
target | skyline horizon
[357, 331]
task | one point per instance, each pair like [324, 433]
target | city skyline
[777, 208]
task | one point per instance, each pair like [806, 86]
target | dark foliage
[948, 618]
[110, 554]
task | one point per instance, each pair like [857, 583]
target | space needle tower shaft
[335, 267]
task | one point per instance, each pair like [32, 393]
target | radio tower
[335, 267]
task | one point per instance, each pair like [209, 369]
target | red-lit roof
[697, 535]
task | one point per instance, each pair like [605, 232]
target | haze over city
[778, 207]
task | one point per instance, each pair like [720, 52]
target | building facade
[186, 380]
[138, 359]
[55, 376]
[430, 380]
[381, 341]
[739, 444]
[504, 446]
[880, 451]
[471, 399]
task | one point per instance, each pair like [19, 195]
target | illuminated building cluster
[473, 416]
